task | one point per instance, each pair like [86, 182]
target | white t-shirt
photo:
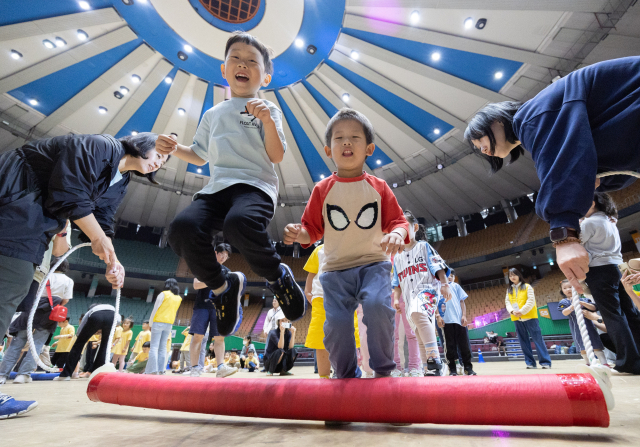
[233, 143]
[61, 286]
[270, 321]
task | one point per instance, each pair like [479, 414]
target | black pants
[101, 320]
[456, 338]
[619, 314]
[89, 357]
[607, 343]
[242, 213]
[59, 359]
[273, 364]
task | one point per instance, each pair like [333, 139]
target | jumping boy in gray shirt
[243, 139]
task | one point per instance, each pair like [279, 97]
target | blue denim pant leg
[525, 342]
[158, 352]
[203, 350]
[533, 326]
[12, 354]
[29, 363]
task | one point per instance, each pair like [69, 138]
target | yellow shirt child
[67, 337]
[117, 337]
[142, 337]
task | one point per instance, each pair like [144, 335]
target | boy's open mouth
[347, 153]
[241, 77]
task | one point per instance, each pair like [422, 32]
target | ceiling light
[179, 192]
[321, 176]
[118, 94]
[557, 78]
[395, 185]
[47, 43]
[182, 56]
[124, 90]
[168, 80]
[16, 54]
[468, 23]
[440, 166]
[311, 49]
[135, 79]
[535, 267]
[436, 131]
[345, 97]
[379, 162]
[181, 111]
[84, 5]
[60, 42]
[550, 262]
[82, 35]
[199, 170]
[102, 110]
[415, 17]
[409, 182]
[134, 132]
[33, 102]
[435, 56]
[481, 23]
[282, 204]
[299, 42]
[143, 1]
[127, 2]
[355, 55]
[498, 75]
[188, 48]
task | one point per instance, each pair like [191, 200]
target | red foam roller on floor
[534, 400]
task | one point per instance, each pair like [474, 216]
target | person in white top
[270, 322]
[61, 284]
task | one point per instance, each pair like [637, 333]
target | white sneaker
[195, 372]
[3, 380]
[416, 373]
[226, 370]
[60, 379]
[22, 378]
[366, 375]
[460, 370]
[546, 366]
[396, 373]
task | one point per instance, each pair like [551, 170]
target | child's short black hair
[223, 247]
[561, 283]
[421, 234]
[480, 126]
[349, 114]
[62, 268]
[67, 319]
[265, 51]
[146, 344]
[137, 146]
[605, 203]
[171, 284]
[145, 322]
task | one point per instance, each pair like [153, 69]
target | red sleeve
[391, 214]
[312, 219]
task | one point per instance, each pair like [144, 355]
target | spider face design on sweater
[366, 219]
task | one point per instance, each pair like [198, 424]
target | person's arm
[274, 141]
[168, 145]
[61, 243]
[507, 303]
[281, 339]
[197, 284]
[567, 311]
[292, 342]
[186, 331]
[156, 306]
[628, 287]
[266, 327]
[463, 318]
[308, 285]
[397, 296]
[531, 301]
[588, 306]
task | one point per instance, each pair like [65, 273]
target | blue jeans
[527, 331]
[369, 285]
[13, 353]
[157, 362]
[203, 349]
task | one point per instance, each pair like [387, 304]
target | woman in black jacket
[42, 184]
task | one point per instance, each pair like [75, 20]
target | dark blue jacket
[586, 123]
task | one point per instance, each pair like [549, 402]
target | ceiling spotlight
[47, 43]
[124, 90]
[436, 131]
[415, 17]
[82, 35]
[409, 182]
[102, 110]
[60, 42]
[299, 42]
[33, 102]
[134, 132]
[498, 75]
[550, 262]
[143, 1]
[345, 97]
[321, 176]
[440, 166]
[395, 185]
[435, 56]
[118, 95]
[16, 54]
[127, 2]
[199, 170]
[282, 204]
[535, 267]
[179, 192]
[181, 111]
[182, 56]
[355, 55]
[84, 5]
[135, 79]
[168, 80]
[468, 23]
[557, 78]
[188, 48]
[311, 49]
[481, 23]
[378, 162]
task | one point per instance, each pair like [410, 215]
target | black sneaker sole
[292, 310]
[228, 324]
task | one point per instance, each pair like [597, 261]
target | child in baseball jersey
[419, 279]
[362, 225]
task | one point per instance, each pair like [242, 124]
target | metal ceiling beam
[148, 85]
[128, 63]
[67, 58]
[449, 41]
[420, 69]
[373, 76]
[60, 23]
[501, 5]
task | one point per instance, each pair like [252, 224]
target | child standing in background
[143, 336]
[185, 358]
[64, 343]
[121, 348]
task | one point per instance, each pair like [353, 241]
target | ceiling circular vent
[232, 11]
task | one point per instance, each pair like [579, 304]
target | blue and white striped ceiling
[417, 69]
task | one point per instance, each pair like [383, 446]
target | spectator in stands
[576, 127]
[99, 317]
[601, 239]
[161, 321]
[280, 354]
[566, 306]
[204, 323]
[247, 348]
[497, 340]
[140, 361]
[121, 348]
[185, 358]
[143, 336]
[64, 343]
[521, 305]
[270, 322]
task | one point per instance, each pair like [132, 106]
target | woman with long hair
[161, 322]
[521, 305]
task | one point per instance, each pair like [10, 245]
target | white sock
[601, 357]
[584, 356]
[219, 290]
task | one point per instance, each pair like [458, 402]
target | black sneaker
[228, 303]
[289, 294]
[433, 368]
[451, 373]
[469, 372]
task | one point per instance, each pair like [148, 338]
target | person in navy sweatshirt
[581, 125]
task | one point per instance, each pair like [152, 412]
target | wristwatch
[562, 233]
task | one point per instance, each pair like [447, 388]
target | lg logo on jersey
[366, 219]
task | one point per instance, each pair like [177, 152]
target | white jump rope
[32, 346]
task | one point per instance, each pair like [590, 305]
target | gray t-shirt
[233, 142]
[601, 239]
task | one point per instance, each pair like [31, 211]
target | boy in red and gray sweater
[362, 225]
